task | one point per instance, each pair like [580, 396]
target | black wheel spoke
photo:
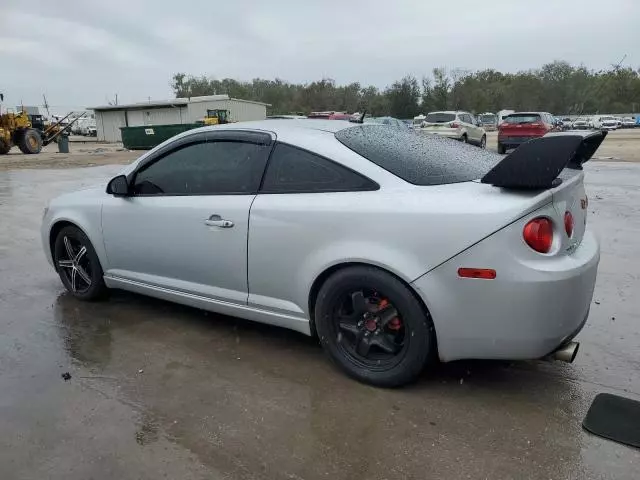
[65, 263]
[387, 314]
[80, 254]
[84, 275]
[385, 343]
[67, 246]
[363, 343]
[74, 279]
[348, 324]
[358, 303]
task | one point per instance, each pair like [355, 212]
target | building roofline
[176, 102]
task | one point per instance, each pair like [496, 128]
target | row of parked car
[604, 122]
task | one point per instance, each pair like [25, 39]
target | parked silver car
[457, 125]
[383, 242]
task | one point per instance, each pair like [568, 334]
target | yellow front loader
[15, 129]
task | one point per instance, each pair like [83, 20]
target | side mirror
[118, 186]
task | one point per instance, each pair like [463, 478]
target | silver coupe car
[395, 249]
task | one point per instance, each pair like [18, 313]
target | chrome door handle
[218, 221]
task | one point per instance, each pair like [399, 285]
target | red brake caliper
[395, 323]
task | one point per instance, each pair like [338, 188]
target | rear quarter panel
[293, 238]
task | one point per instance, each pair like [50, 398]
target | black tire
[464, 138]
[483, 142]
[29, 141]
[409, 329]
[4, 147]
[82, 276]
[502, 149]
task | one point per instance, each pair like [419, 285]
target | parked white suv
[458, 125]
[605, 123]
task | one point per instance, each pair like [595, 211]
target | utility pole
[116, 99]
[46, 105]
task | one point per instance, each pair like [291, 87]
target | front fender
[87, 218]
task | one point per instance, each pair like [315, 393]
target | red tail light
[568, 223]
[538, 234]
[454, 125]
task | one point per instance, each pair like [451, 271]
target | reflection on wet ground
[163, 390]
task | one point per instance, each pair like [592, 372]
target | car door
[184, 225]
[292, 223]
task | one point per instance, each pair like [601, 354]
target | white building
[109, 118]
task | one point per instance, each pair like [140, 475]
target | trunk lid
[522, 125]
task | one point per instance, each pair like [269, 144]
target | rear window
[440, 117]
[522, 118]
[418, 159]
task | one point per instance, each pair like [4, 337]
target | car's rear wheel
[78, 265]
[502, 149]
[483, 142]
[464, 138]
[373, 327]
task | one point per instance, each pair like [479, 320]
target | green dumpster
[146, 137]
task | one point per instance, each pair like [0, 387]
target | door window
[205, 168]
[293, 170]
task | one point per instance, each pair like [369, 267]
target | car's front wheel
[373, 327]
[483, 142]
[78, 265]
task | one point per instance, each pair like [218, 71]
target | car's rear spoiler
[537, 163]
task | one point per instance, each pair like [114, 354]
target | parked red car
[330, 115]
[520, 127]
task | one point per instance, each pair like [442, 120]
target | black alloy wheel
[369, 329]
[78, 265]
[373, 327]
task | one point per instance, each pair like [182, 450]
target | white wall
[108, 123]
[157, 116]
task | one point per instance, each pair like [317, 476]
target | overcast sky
[81, 53]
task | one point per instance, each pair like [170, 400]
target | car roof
[515, 114]
[280, 125]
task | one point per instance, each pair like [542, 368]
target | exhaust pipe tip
[567, 352]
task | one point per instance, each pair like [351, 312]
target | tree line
[558, 87]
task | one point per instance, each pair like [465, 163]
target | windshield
[488, 118]
[416, 158]
[522, 118]
[605, 119]
[440, 117]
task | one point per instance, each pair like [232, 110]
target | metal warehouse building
[110, 118]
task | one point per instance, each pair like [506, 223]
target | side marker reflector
[484, 273]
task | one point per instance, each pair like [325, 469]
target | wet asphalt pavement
[163, 391]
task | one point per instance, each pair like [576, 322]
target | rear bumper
[515, 141]
[447, 132]
[530, 309]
